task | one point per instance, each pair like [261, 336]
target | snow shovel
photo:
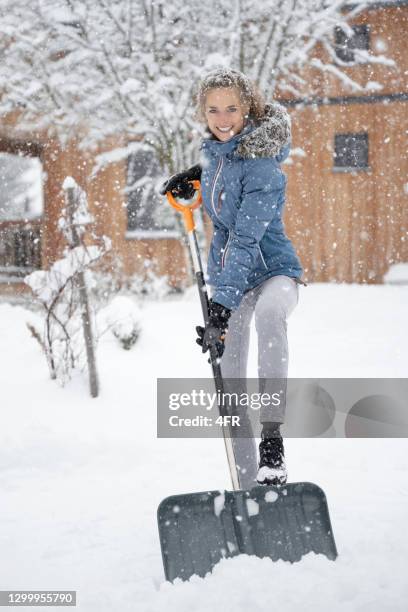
[187, 212]
[197, 530]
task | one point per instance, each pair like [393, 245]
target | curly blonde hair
[248, 92]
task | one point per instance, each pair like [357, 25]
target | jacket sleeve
[262, 186]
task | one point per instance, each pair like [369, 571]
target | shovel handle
[187, 209]
[187, 212]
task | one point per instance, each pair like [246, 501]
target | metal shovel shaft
[216, 368]
[187, 212]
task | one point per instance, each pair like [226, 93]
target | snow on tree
[68, 339]
[128, 68]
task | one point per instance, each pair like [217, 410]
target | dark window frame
[351, 152]
[345, 46]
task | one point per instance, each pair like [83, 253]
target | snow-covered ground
[80, 479]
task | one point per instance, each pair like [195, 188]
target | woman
[252, 265]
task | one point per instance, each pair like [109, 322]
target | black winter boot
[272, 467]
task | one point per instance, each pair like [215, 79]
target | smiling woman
[226, 115]
[252, 266]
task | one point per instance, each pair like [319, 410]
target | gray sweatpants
[272, 302]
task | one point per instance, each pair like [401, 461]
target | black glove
[214, 333]
[179, 184]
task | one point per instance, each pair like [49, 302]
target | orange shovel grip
[187, 209]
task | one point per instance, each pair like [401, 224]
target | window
[147, 211]
[21, 194]
[21, 208]
[346, 44]
[20, 248]
[351, 151]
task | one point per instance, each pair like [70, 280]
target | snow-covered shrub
[397, 274]
[57, 289]
[68, 335]
[149, 285]
[107, 282]
[123, 317]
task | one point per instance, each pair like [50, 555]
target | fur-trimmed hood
[261, 138]
[270, 134]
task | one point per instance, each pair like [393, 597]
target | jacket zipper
[262, 257]
[224, 255]
[217, 173]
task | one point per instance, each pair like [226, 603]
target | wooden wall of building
[349, 226]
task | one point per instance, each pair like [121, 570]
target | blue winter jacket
[243, 189]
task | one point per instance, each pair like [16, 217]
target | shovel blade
[197, 530]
